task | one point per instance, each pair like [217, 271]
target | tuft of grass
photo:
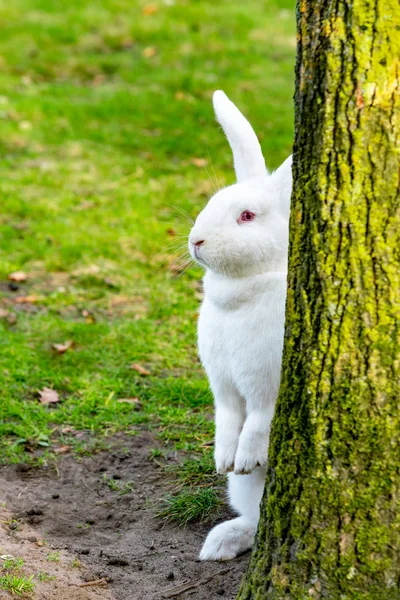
[117, 486]
[158, 453]
[199, 470]
[13, 564]
[190, 505]
[75, 563]
[44, 577]
[53, 557]
[17, 584]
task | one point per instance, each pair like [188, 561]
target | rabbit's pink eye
[246, 216]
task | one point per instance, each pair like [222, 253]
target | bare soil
[115, 536]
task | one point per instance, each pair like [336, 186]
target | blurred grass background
[107, 135]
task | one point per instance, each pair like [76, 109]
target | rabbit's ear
[247, 156]
[282, 178]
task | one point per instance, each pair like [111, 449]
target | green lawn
[107, 136]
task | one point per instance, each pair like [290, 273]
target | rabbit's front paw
[224, 456]
[252, 452]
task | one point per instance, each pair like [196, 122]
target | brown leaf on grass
[48, 396]
[199, 162]
[134, 401]
[149, 52]
[85, 205]
[171, 232]
[27, 299]
[18, 276]
[129, 400]
[117, 300]
[62, 449]
[150, 9]
[68, 430]
[20, 226]
[89, 318]
[205, 188]
[127, 43]
[61, 348]
[10, 317]
[141, 370]
[98, 79]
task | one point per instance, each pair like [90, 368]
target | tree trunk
[330, 517]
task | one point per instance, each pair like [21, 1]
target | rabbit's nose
[199, 243]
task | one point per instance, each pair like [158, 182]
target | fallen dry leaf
[61, 348]
[116, 300]
[134, 401]
[3, 313]
[20, 226]
[149, 52]
[89, 318]
[205, 188]
[129, 400]
[48, 396]
[67, 430]
[150, 9]
[98, 79]
[127, 43]
[62, 449]
[141, 370]
[199, 162]
[18, 276]
[85, 205]
[27, 299]
[171, 232]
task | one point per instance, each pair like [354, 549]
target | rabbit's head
[243, 230]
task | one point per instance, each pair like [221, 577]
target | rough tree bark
[330, 518]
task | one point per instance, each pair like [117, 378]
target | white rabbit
[241, 239]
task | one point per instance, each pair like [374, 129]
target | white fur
[241, 321]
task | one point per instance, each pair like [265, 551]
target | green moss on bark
[330, 520]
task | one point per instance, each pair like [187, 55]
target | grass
[106, 125]
[15, 581]
[12, 579]
[198, 504]
[117, 486]
[17, 584]
[53, 557]
[13, 564]
[194, 471]
[44, 577]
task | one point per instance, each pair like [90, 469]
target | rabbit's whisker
[183, 213]
[170, 256]
[213, 170]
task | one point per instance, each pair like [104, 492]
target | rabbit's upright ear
[282, 179]
[247, 156]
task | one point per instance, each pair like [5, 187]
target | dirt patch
[99, 512]
[64, 576]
